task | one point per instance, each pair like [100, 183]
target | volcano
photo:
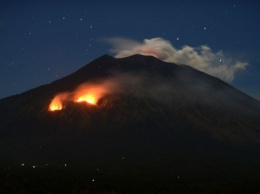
[139, 125]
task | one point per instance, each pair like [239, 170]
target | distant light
[34, 166]
[93, 180]
[123, 158]
[22, 164]
[65, 165]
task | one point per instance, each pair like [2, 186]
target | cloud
[202, 58]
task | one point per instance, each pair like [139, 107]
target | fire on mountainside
[89, 93]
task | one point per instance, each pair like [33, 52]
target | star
[74, 26]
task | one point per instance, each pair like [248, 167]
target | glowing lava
[56, 104]
[89, 93]
[89, 98]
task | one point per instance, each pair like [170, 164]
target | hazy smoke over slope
[201, 58]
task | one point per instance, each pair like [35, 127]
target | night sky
[41, 41]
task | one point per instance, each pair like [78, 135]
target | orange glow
[89, 98]
[89, 93]
[56, 104]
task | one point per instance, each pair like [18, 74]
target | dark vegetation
[169, 129]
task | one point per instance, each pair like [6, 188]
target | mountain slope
[202, 100]
[163, 119]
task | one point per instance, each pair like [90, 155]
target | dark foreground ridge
[170, 128]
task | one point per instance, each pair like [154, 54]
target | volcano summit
[131, 125]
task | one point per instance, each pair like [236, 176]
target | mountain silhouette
[161, 120]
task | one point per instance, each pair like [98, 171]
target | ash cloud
[202, 58]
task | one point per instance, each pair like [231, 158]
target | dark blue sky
[41, 41]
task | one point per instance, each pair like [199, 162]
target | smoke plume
[202, 58]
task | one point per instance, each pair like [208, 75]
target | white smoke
[201, 58]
